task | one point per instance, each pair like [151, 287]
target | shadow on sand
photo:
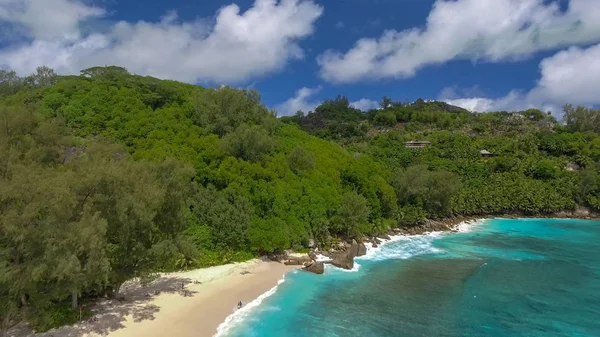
[110, 314]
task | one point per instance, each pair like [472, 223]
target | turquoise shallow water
[526, 277]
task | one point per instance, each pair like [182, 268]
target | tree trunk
[24, 300]
[74, 300]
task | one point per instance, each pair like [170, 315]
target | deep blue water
[526, 277]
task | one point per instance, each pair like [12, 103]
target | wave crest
[403, 247]
[467, 226]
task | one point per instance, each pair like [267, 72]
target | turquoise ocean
[499, 277]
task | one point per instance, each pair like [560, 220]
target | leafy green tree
[544, 170]
[10, 83]
[223, 110]
[385, 118]
[353, 213]
[248, 143]
[268, 235]
[431, 190]
[386, 102]
[589, 188]
[225, 214]
[43, 77]
[300, 160]
[110, 73]
[581, 119]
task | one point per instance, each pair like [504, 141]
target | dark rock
[312, 256]
[384, 236]
[345, 259]
[297, 260]
[280, 256]
[315, 267]
[362, 249]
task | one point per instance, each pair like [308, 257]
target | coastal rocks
[277, 257]
[384, 236]
[582, 212]
[345, 259]
[315, 268]
[429, 226]
[295, 260]
[311, 243]
[362, 249]
[375, 242]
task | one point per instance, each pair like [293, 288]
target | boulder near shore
[315, 267]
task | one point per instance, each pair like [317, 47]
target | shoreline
[457, 224]
[208, 308]
[448, 224]
[208, 297]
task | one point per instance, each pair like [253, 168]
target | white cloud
[475, 104]
[239, 46]
[365, 104]
[300, 102]
[47, 19]
[303, 101]
[569, 76]
[489, 30]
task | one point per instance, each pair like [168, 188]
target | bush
[55, 315]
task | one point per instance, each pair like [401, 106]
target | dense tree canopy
[108, 176]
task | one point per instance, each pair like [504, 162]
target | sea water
[524, 277]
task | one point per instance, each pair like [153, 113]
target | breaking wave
[239, 315]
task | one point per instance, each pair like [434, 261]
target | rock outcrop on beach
[315, 267]
[277, 257]
[429, 226]
[297, 260]
[345, 259]
[384, 236]
[362, 249]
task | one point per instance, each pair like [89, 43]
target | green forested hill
[108, 176]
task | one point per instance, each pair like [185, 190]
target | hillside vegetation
[108, 176]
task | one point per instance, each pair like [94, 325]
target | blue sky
[479, 54]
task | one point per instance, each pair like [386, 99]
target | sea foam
[402, 247]
[468, 226]
[397, 247]
[239, 315]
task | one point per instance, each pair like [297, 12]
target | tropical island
[109, 176]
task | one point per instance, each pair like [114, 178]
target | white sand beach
[207, 298]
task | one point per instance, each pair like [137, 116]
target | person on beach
[239, 304]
